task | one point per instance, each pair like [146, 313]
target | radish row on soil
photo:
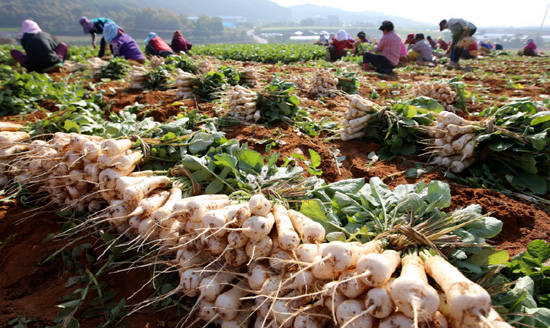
[247, 262]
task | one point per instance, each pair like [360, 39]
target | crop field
[261, 186]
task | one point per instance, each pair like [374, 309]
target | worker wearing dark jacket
[43, 52]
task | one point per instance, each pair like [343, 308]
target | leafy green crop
[276, 102]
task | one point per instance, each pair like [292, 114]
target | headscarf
[323, 38]
[110, 31]
[342, 35]
[86, 23]
[29, 27]
[529, 41]
[150, 36]
[177, 34]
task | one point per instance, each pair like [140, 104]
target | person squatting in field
[390, 48]
[122, 44]
[339, 46]
[95, 26]
[43, 53]
[155, 46]
[421, 51]
[179, 43]
[460, 29]
[530, 49]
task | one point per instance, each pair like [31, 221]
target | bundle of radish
[184, 83]
[454, 141]
[242, 104]
[96, 66]
[357, 117]
[438, 90]
[255, 257]
[465, 42]
[12, 143]
[249, 76]
[156, 61]
[138, 76]
[204, 67]
[324, 84]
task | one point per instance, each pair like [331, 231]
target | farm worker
[530, 49]
[472, 51]
[442, 44]
[360, 45]
[460, 29]
[95, 26]
[155, 46]
[421, 51]
[43, 53]
[410, 40]
[432, 42]
[339, 46]
[179, 43]
[389, 47]
[122, 44]
[485, 47]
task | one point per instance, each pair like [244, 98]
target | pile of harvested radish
[96, 66]
[138, 76]
[250, 76]
[242, 104]
[248, 263]
[439, 90]
[204, 67]
[184, 83]
[357, 117]
[156, 61]
[453, 142]
[324, 84]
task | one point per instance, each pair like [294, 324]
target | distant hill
[253, 10]
[301, 12]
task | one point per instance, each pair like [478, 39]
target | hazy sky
[480, 12]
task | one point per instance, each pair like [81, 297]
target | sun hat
[151, 36]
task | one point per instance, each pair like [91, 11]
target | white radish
[258, 227]
[259, 249]
[376, 269]
[258, 274]
[215, 221]
[211, 287]
[237, 239]
[341, 256]
[137, 192]
[162, 215]
[197, 207]
[379, 303]
[468, 302]
[308, 253]
[287, 237]
[411, 292]
[350, 285]
[259, 205]
[228, 303]
[351, 313]
[310, 231]
[235, 257]
[396, 320]
[112, 147]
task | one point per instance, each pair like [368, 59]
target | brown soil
[32, 291]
